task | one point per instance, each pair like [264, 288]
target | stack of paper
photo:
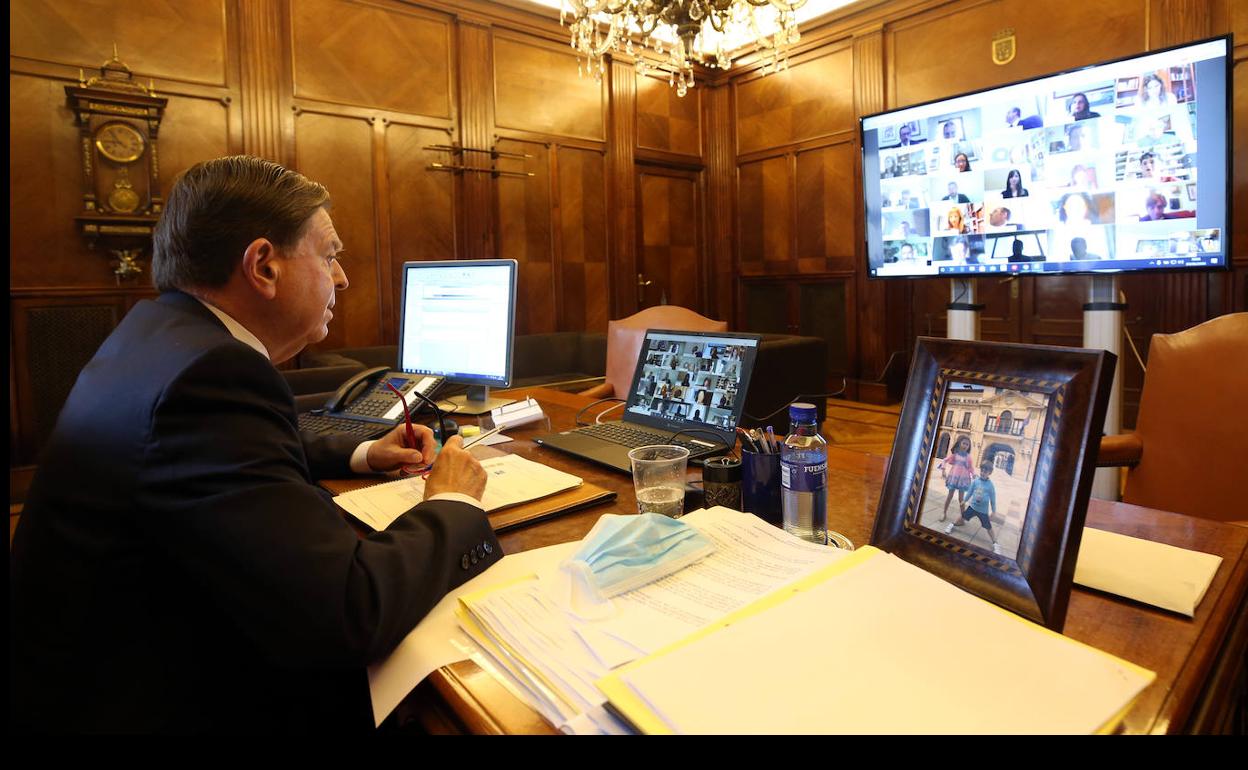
[554, 653]
[875, 645]
[512, 480]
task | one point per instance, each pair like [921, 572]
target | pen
[481, 436]
[771, 438]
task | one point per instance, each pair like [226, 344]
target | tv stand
[477, 401]
[1102, 329]
[963, 311]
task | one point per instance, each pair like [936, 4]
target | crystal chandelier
[603, 26]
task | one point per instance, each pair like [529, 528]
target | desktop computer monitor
[458, 321]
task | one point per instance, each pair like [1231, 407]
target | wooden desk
[1199, 662]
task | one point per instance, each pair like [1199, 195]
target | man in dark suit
[176, 568]
[954, 195]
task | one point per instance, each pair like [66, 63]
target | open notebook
[513, 481]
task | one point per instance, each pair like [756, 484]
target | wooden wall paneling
[46, 248]
[393, 57]
[338, 152]
[669, 221]
[947, 50]
[266, 51]
[476, 129]
[526, 233]
[622, 191]
[179, 41]
[826, 311]
[666, 121]
[54, 334]
[720, 183]
[581, 245]
[874, 312]
[827, 232]
[421, 202]
[537, 88]
[811, 99]
[765, 216]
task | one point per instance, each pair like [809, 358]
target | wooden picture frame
[1032, 416]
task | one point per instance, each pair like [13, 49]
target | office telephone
[365, 407]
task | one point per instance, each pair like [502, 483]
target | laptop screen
[692, 380]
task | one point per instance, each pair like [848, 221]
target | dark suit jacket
[176, 568]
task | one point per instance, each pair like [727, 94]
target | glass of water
[659, 478]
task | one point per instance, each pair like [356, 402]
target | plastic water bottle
[804, 476]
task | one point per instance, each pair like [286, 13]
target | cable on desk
[592, 405]
[718, 439]
[800, 397]
[598, 417]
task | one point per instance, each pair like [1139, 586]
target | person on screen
[1013, 118]
[954, 195]
[1154, 95]
[906, 253]
[905, 135]
[1079, 108]
[948, 130]
[1082, 178]
[1155, 208]
[1075, 209]
[1148, 165]
[955, 220]
[904, 230]
[890, 168]
[1156, 132]
[961, 162]
[1079, 250]
[906, 202]
[999, 217]
[960, 252]
[1076, 138]
[1014, 185]
[1017, 252]
[983, 497]
[697, 415]
[1158, 104]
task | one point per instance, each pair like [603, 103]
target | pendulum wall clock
[118, 124]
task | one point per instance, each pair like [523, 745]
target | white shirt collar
[239, 331]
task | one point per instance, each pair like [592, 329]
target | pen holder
[760, 486]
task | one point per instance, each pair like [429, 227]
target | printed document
[511, 480]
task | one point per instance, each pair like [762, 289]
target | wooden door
[671, 267]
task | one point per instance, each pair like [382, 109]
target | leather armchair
[1189, 451]
[624, 338]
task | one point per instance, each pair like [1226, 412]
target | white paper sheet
[560, 655]
[885, 648]
[511, 480]
[1154, 573]
[432, 643]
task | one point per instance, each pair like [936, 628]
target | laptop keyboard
[617, 433]
[325, 424]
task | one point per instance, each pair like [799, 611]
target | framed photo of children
[992, 467]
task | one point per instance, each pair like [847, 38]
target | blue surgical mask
[625, 552]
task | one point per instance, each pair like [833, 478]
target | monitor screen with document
[458, 322]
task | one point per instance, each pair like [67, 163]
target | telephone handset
[366, 397]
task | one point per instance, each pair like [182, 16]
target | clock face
[120, 142]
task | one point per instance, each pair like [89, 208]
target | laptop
[688, 389]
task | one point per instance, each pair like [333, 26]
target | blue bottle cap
[799, 412]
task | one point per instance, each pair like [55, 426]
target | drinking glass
[659, 478]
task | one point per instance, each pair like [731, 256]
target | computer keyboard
[328, 424]
[617, 433]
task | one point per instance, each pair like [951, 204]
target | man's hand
[456, 471]
[392, 451]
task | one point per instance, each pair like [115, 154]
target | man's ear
[261, 267]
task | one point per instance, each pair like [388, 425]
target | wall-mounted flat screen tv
[1122, 166]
